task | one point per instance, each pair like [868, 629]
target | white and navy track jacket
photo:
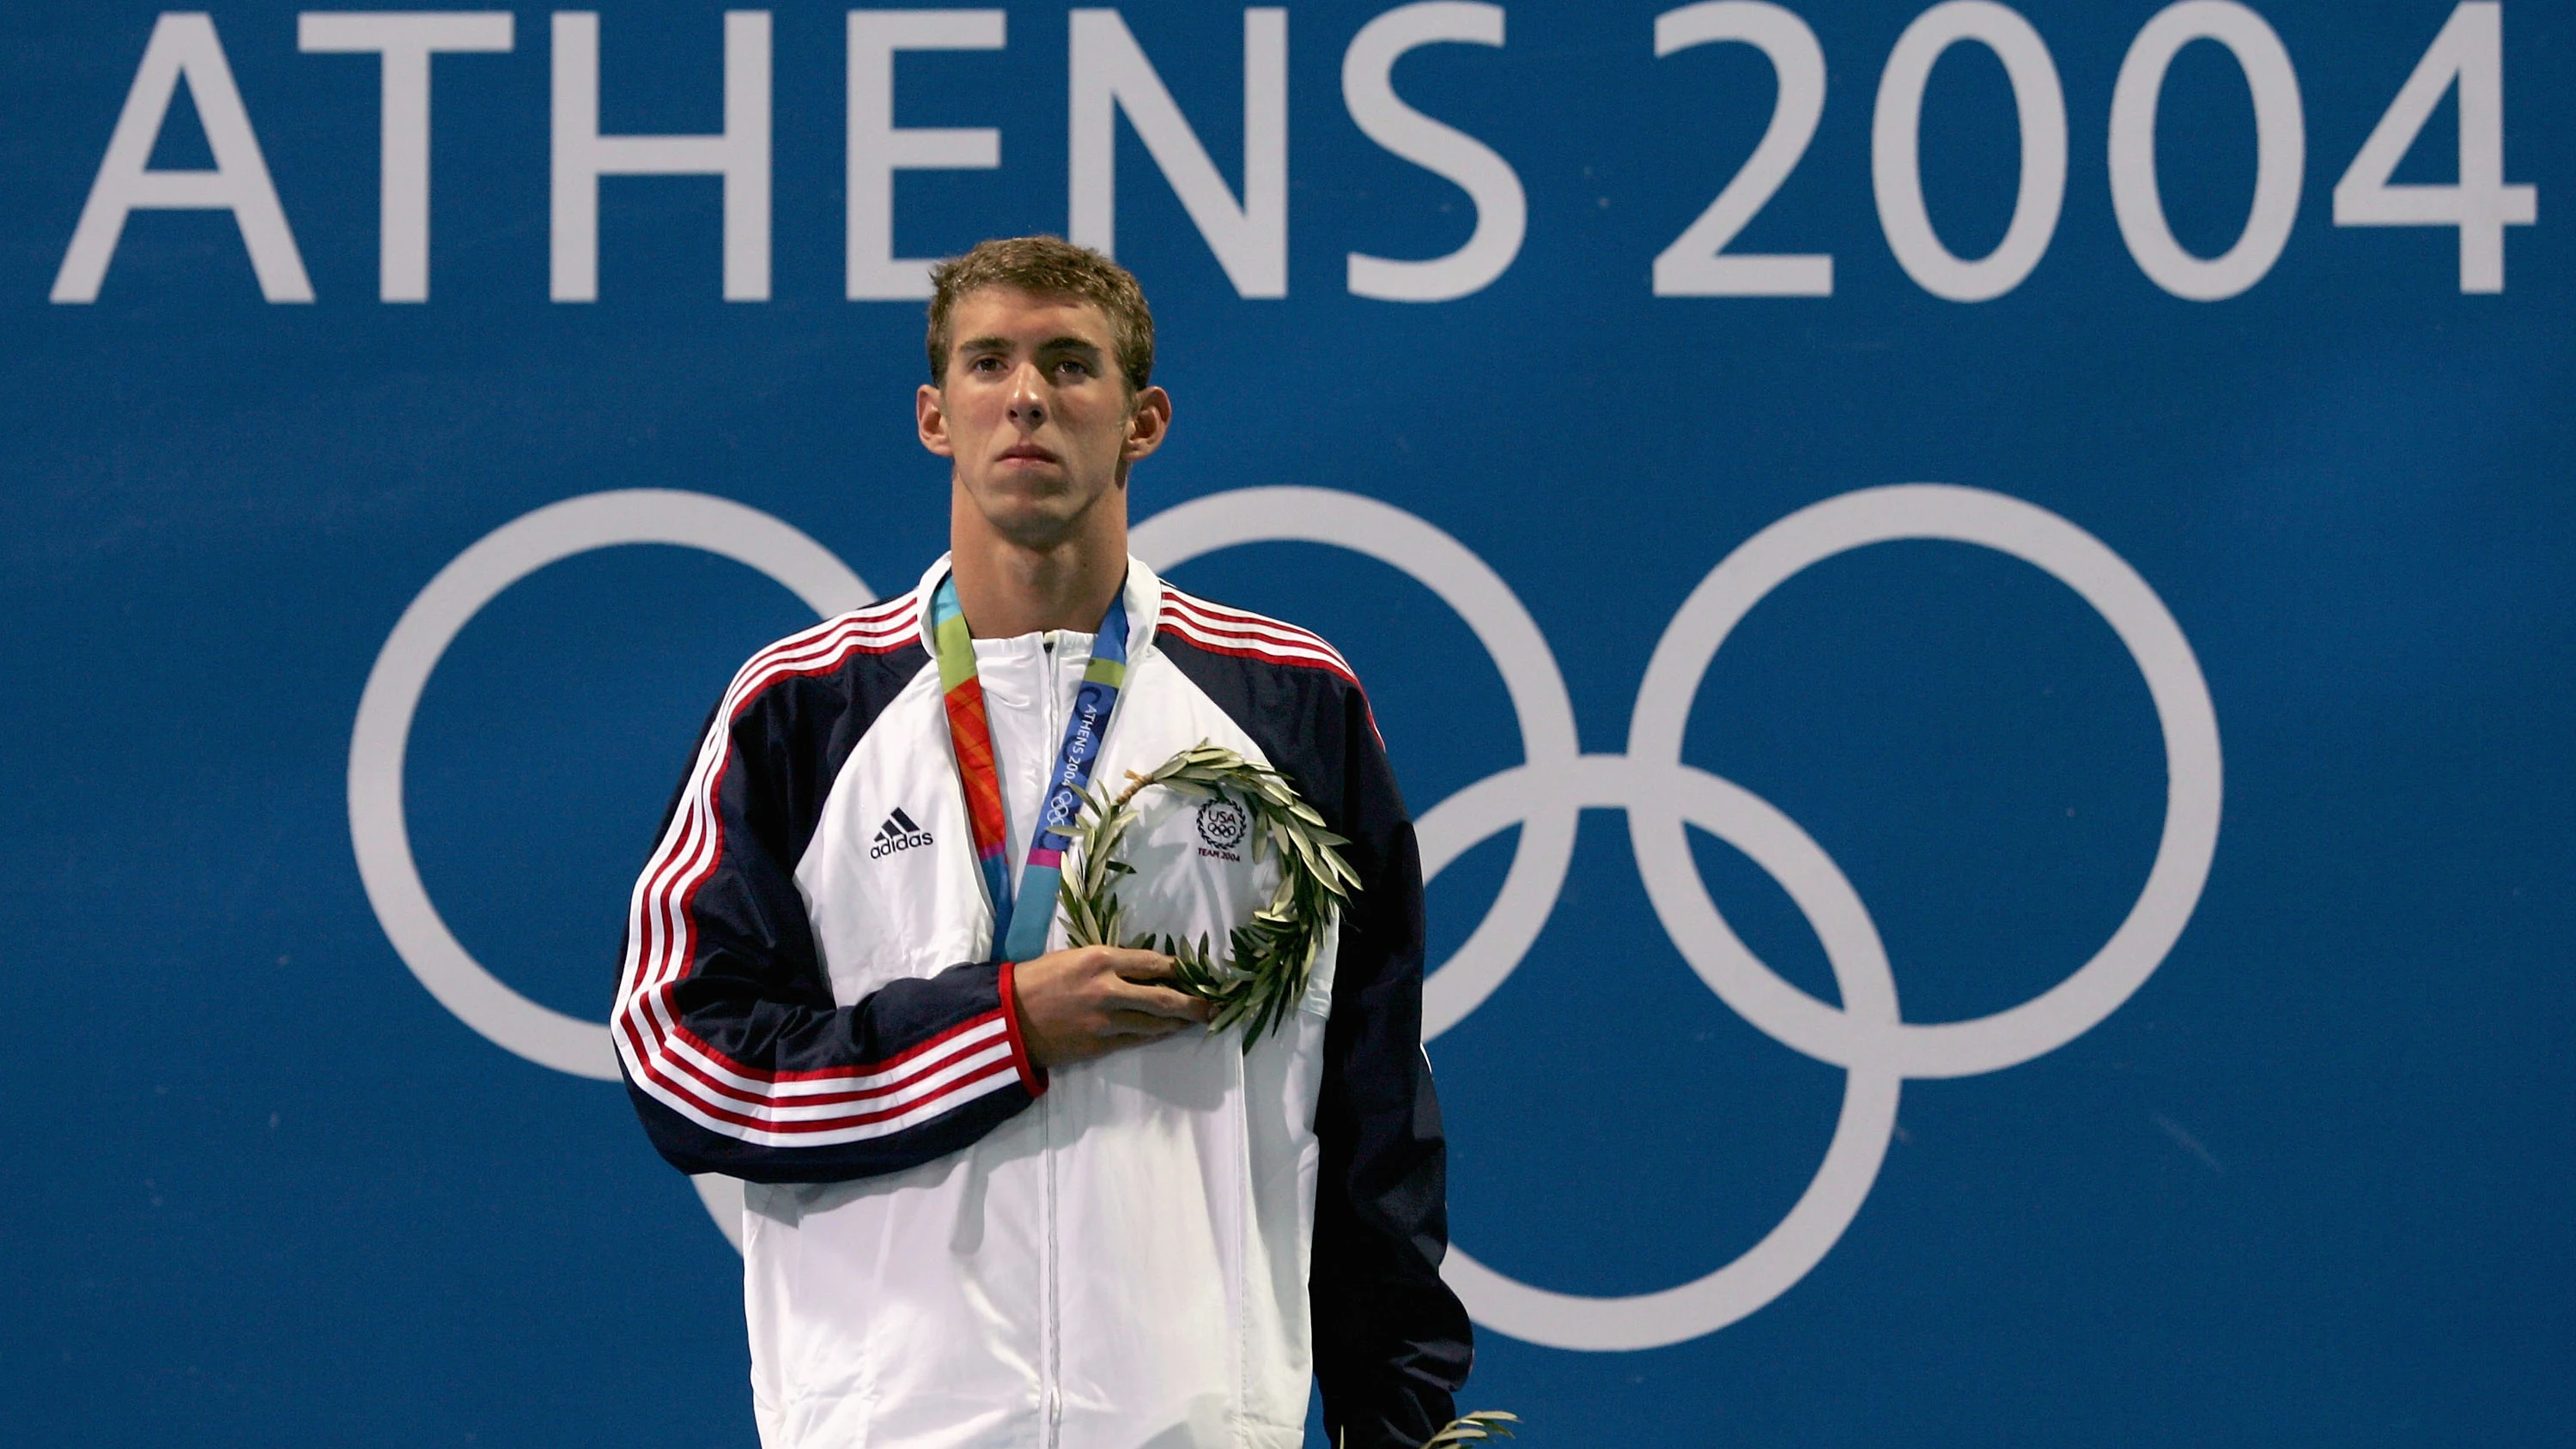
[949, 1247]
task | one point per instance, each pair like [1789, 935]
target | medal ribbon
[1020, 935]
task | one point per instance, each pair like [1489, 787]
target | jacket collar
[1144, 604]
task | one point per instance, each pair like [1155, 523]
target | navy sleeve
[735, 1054]
[1392, 1342]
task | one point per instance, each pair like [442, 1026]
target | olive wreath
[1270, 958]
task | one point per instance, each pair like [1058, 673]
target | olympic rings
[1544, 796]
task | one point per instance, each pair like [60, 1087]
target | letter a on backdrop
[183, 47]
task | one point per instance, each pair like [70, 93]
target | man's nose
[1028, 395]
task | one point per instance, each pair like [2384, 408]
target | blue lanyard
[1022, 935]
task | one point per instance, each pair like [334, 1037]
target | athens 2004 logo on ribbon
[1866, 1035]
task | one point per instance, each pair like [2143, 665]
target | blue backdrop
[2289, 1163]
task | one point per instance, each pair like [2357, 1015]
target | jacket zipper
[1050, 1431]
[1051, 1406]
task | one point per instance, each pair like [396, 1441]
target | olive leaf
[1468, 1428]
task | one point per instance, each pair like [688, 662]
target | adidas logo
[898, 833]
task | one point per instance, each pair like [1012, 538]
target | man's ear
[930, 415]
[1149, 421]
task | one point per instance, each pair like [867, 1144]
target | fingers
[1137, 1025]
[1159, 1001]
[1113, 1030]
[1085, 1002]
[1132, 988]
[1136, 965]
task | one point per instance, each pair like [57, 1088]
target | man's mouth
[1028, 453]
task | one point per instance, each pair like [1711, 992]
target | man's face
[1035, 415]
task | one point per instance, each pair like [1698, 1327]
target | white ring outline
[378, 830]
[2184, 714]
[1866, 1036]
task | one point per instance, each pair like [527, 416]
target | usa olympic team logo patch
[1222, 824]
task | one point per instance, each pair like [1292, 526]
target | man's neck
[1008, 588]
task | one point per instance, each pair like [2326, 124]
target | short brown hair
[1046, 266]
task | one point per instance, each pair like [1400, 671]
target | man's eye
[1077, 369]
[986, 364]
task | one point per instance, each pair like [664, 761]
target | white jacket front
[949, 1247]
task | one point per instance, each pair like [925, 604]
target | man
[1003, 1193]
